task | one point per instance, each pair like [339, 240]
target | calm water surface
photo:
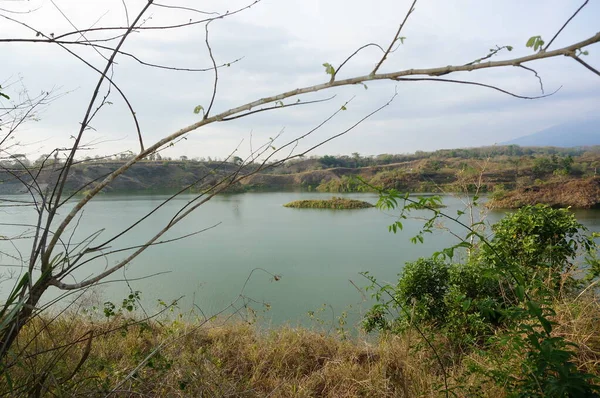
[319, 254]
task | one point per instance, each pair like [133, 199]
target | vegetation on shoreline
[233, 359]
[581, 193]
[499, 170]
[503, 300]
[333, 203]
[238, 359]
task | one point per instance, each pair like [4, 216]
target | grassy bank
[180, 359]
[333, 203]
[579, 194]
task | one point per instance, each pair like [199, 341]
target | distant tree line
[356, 160]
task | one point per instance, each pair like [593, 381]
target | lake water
[319, 254]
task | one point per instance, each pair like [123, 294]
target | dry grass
[579, 322]
[241, 360]
[216, 361]
[580, 193]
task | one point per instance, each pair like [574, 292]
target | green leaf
[509, 48]
[344, 107]
[199, 109]
[535, 42]
[329, 69]
[520, 292]
[466, 305]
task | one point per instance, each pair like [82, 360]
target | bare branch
[92, 43]
[126, 12]
[565, 25]
[536, 75]
[212, 58]
[588, 66]
[396, 37]
[490, 55]
[435, 79]
[179, 217]
[103, 77]
[186, 9]
[84, 123]
[352, 55]
[75, 27]
[164, 27]
[384, 76]
[277, 107]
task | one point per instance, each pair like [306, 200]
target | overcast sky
[283, 44]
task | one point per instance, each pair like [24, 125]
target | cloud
[283, 45]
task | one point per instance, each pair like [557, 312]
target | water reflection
[318, 253]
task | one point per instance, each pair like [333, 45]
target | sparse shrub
[499, 192]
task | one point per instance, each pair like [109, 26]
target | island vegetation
[333, 203]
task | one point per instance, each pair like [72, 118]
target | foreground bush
[501, 302]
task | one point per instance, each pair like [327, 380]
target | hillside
[496, 170]
[568, 135]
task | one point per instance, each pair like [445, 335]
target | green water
[319, 254]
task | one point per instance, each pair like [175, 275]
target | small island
[333, 203]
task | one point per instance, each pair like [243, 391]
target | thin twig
[352, 55]
[565, 25]
[588, 66]
[470, 83]
[396, 37]
[216, 80]
[536, 75]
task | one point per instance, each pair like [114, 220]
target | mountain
[566, 135]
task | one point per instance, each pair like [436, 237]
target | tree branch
[352, 55]
[565, 25]
[435, 79]
[396, 37]
[588, 66]
[568, 50]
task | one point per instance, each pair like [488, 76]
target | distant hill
[566, 135]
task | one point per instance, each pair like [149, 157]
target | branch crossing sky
[282, 45]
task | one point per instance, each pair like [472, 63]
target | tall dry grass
[74, 355]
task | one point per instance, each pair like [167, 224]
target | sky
[282, 45]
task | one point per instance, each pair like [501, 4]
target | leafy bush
[538, 243]
[462, 299]
[423, 285]
[500, 303]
